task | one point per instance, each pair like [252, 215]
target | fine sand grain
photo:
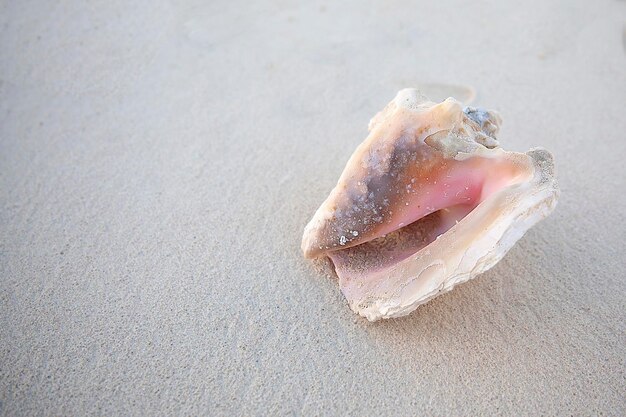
[159, 160]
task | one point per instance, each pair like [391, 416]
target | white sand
[158, 164]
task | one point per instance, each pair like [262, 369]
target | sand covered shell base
[429, 200]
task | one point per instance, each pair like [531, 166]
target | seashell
[429, 200]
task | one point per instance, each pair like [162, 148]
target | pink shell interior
[446, 197]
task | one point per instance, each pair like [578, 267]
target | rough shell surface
[429, 200]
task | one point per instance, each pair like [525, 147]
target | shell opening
[430, 215]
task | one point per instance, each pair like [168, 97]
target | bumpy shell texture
[429, 200]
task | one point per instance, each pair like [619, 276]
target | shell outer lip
[542, 189]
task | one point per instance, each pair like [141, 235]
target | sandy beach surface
[159, 160]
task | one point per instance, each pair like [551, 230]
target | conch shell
[429, 200]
